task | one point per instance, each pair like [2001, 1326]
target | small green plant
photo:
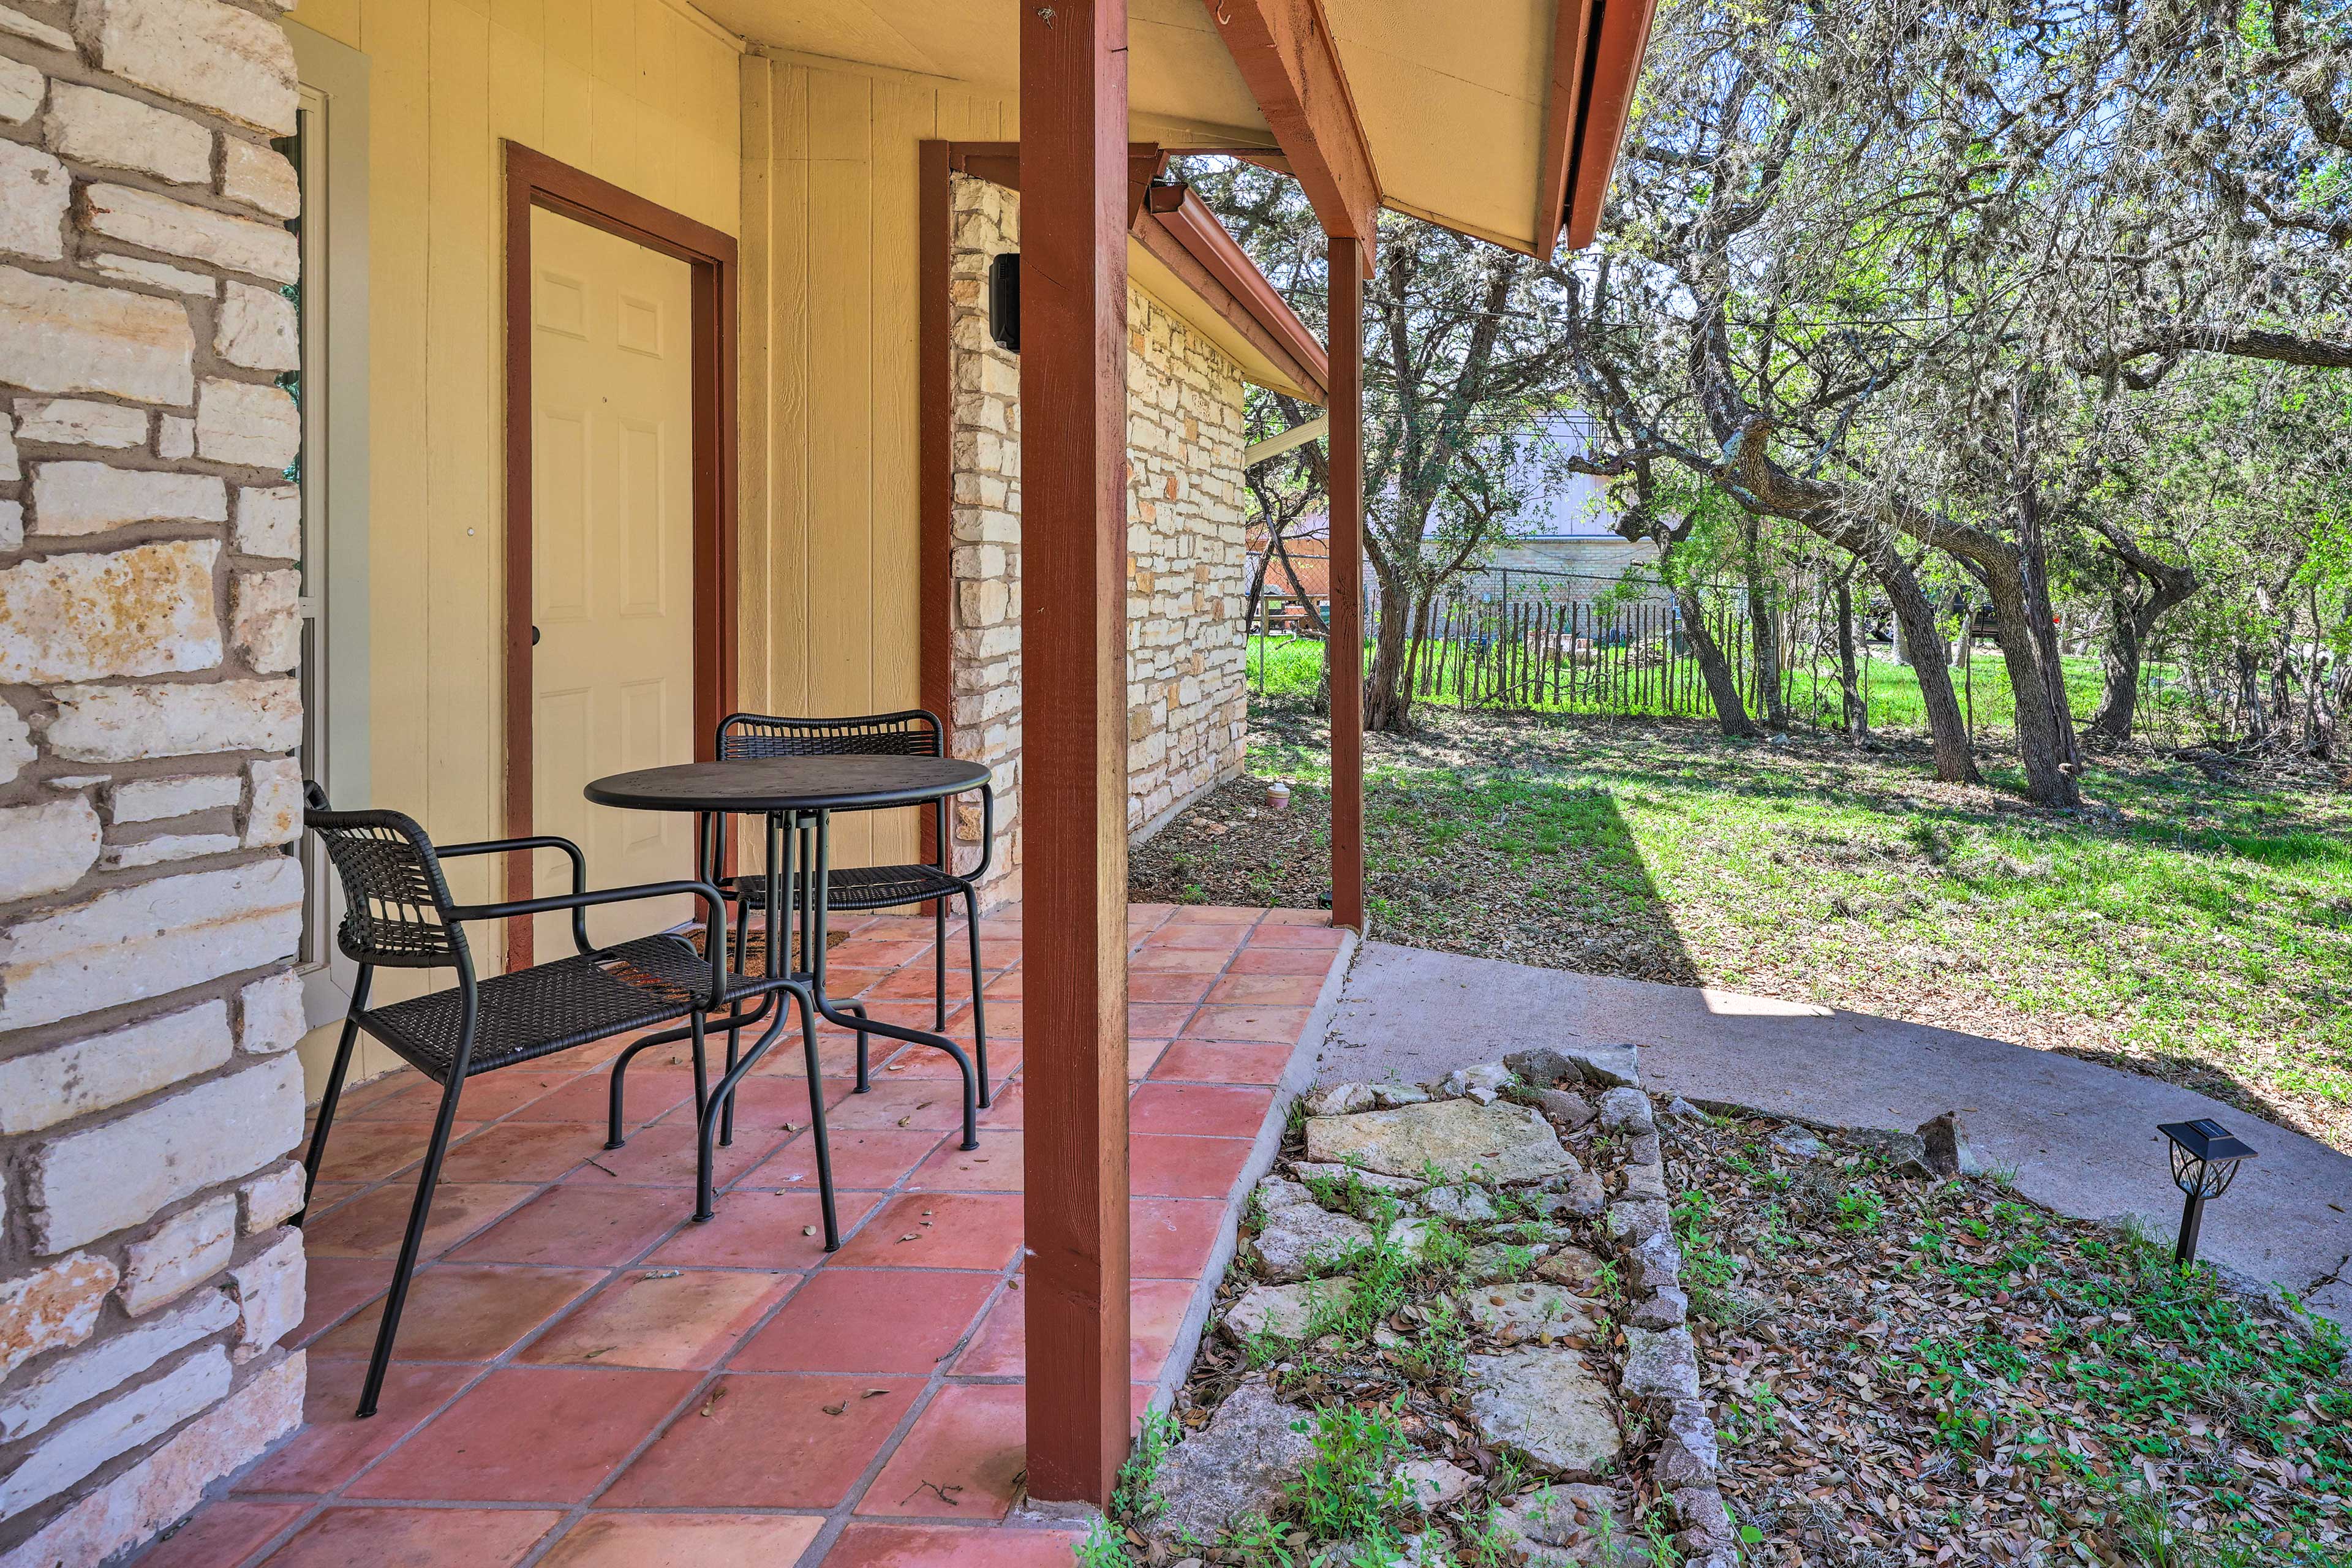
[1105, 1546]
[1860, 1209]
[1349, 1490]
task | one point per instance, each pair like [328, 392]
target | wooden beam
[1074, 196]
[935, 415]
[1344, 647]
[1178, 229]
[1563, 112]
[1622, 35]
[1287, 56]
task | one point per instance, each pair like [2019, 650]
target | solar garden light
[2205, 1161]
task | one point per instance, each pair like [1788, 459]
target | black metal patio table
[797, 796]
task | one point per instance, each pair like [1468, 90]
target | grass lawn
[2195, 930]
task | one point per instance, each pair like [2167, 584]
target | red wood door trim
[1345, 645]
[935, 415]
[536, 180]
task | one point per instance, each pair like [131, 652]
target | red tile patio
[586, 1379]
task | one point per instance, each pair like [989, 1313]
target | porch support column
[1073, 214]
[1344, 651]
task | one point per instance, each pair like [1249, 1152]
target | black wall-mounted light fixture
[2205, 1161]
[1004, 302]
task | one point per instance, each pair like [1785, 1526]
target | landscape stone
[1431, 1484]
[1668, 1306]
[1410, 1238]
[1528, 1311]
[1659, 1363]
[78, 422]
[1302, 1239]
[1948, 1152]
[1643, 1149]
[1470, 1205]
[1502, 1260]
[125, 723]
[41, 1089]
[1652, 1264]
[155, 221]
[1681, 1110]
[1460, 1138]
[1543, 1067]
[78, 497]
[203, 52]
[1906, 1151]
[1389, 1096]
[34, 191]
[142, 611]
[1377, 1181]
[1630, 1220]
[1626, 1110]
[62, 336]
[1482, 1083]
[94, 126]
[1567, 1110]
[1644, 1182]
[1284, 1311]
[1795, 1143]
[1339, 1099]
[1573, 1526]
[1584, 1197]
[51, 1307]
[1608, 1066]
[1239, 1464]
[1689, 1455]
[1547, 1406]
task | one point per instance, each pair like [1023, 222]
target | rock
[1659, 1363]
[1238, 1464]
[1461, 1140]
[57, 336]
[1643, 1149]
[271, 1199]
[1482, 1083]
[90, 498]
[1706, 1521]
[255, 329]
[238, 422]
[40, 1089]
[273, 812]
[1274, 1194]
[1528, 1311]
[1645, 1184]
[90, 126]
[1626, 1110]
[1303, 1240]
[1906, 1151]
[78, 422]
[1688, 1457]
[45, 848]
[1389, 1096]
[1948, 1152]
[1472, 1206]
[270, 1295]
[1608, 1066]
[54, 1305]
[1667, 1308]
[1374, 1181]
[1284, 1311]
[1410, 1238]
[1432, 1484]
[1498, 1260]
[1796, 1144]
[1565, 1109]
[269, 1015]
[1543, 1067]
[1548, 1407]
[1681, 1110]
[65, 1384]
[1342, 1098]
[259, 178]
[117, 1426]
[1652, 1264]
[34, 189]
[21, 86]
[1630, 1220]
[1584, 1197]
[147, 610]
[160, 274]
[1572, 1526]
[126, 724]
[155, 221]
[1573, 1267]
[270, 522]
[198, 51]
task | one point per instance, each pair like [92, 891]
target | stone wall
[1187, 703]
[149, 905]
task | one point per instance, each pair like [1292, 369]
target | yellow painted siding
[831, 188]
[634, 91]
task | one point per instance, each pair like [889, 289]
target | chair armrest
[543, 841]
[714, 931]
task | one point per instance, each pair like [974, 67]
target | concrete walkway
[2081, 1137]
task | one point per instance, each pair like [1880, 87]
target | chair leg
[979, 1008]
[864, 1081]
[318, 1150]
[708, 1113]
[939, 965]
[817, 1123]
[411, 1243]
[702, 1063]
[613, 1138]
[727, 1112]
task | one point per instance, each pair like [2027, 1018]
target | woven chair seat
[863, 886]
[551, 1007]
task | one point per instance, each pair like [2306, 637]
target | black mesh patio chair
[399, 914]
[914, 732]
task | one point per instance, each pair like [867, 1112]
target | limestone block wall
[1187, 570]
[148, 708]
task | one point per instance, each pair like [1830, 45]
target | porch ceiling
[1454, 114]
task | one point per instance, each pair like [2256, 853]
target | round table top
[788, 783]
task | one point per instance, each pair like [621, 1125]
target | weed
[1349, 1490]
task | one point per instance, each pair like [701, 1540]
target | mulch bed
[1907, 1370]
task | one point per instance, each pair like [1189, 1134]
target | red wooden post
[1074, 702]
[1345, 648]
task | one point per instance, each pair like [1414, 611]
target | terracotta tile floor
[586, 1379]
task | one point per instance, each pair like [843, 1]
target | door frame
[534, 180]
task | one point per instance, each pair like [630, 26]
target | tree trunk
[1388, 706]
[1763, 628]
[2119, 689]
[1855, 712]
[1722, 685]
[2042, 745]
[1915, 623]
